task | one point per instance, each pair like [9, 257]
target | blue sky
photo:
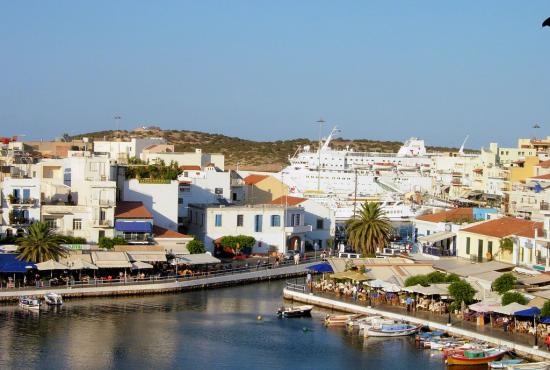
[268, 69]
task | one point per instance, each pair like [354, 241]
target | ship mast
[320, 122]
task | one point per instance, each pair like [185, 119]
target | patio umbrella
[321, 267]
[50, 265]
[487, 305]
[138, 265]
[79, 264]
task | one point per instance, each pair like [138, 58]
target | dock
[161, 286]
[535, 354]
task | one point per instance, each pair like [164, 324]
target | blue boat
[503, 364]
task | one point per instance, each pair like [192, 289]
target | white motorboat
[298, 311]
[391, 330]
[29, 303]
[53, 299]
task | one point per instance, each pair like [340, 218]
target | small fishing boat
[298, 311]
[545, 365]
[339, 320]
[475, 357]
[392, 330]
[376, 322]
[29, 303]
[504, 364]
[53, 299]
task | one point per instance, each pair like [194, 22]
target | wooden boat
[375, 321]
[545, 365]
[392, 330]
[504, 364]
[475, 357]
[298, 311]
[29, 303]
[53, 299]
[339, 320]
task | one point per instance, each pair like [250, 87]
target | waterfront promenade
[520, 343]
[164, 285]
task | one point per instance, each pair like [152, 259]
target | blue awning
[10, 264]
[528, 312]
[134, 226]
[321, 267]
[544, 320]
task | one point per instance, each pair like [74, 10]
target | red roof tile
[291, 201]
[506, 226]
[254, 179]
[453, 215]
[161, 232]
[545, 164]
[542, 177]
[131, 210]
[190, 168]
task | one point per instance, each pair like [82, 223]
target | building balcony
[18, 202]
[102, 223]
[300, 229]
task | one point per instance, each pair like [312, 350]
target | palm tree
[40, 244]
[369, 229]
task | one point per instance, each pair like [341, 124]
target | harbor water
[209, 329]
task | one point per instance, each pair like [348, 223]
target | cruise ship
[340, 177]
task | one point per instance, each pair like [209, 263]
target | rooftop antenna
[461, 150]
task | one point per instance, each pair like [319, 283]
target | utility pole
[320, 122]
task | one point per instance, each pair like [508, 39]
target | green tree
[451, 278]
[40, 244]
[510, 297]
[461, 291]
[237, 243]
[109, 243]
[417, 279]
[436, 277]
[504, 283]
[196, 246]
[545, 311]
[506, 244]
[369, 230]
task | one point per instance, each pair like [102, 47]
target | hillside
[249, 154]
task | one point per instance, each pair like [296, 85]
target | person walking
[547, 341]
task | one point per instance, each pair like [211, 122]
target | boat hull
[375, 332]
[461, 360]
[304, 311]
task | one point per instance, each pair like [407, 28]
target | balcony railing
[298, 229]
[102, 223]
[31, 202]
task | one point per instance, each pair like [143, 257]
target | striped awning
[434, 238]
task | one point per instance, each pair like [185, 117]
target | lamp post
[536, 346]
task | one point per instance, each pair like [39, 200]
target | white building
[276, 228]
[196, 158]
[122, 150]
[20, 203]
[160, 198]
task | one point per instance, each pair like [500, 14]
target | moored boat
[392, 330]
[504, 364]
[298, 311]
[53, 299]
[545, 365]
[475, 357]
[29, 303]
[339, 320]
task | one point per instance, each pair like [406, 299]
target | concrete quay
[163, 286]
[535, 354]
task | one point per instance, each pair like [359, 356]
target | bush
[451, 278]
[196, 246]
[510, 297]
[504, 283]
[108, 243]
[417, 279]
[461, 291]
[74, 240]
[435, 277]
[238, 243]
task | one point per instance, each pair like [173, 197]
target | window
[218, 220]
[190, 216]
[218, 191]
[468, 245]
[234, 197]
[51, 222]
[258, 223]
[240, 220]
[180, 220]
[77, 224]
[480, 249]
[295, 219]
[180, 200]
[320, 223]
[490, 248]
[275, 220]
[185, 188]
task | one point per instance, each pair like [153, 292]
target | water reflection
[215, 329]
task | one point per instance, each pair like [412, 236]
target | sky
[267, 70]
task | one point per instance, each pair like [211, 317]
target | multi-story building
[196, 158]
[20, 203]
[276, 228]
[122, 150]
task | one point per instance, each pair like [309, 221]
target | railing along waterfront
[129, 280]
